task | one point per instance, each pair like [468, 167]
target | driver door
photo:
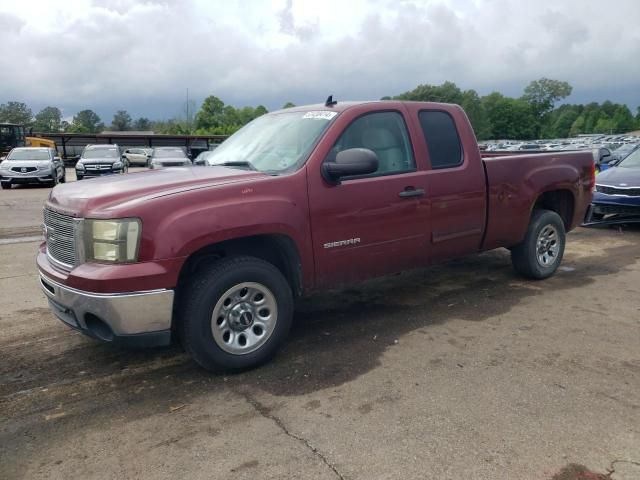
[374, 224]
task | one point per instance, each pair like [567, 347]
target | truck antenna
[330, 101]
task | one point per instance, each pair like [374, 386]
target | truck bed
[515, 184]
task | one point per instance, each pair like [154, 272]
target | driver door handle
[412, 192]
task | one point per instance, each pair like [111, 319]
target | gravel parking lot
[461, 371]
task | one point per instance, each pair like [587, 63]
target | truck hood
[619, 177]
[96, 196]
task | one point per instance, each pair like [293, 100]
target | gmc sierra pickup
[301, 199]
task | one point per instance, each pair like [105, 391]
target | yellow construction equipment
[13, 135]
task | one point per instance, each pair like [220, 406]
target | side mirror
[354, 161]
[57, 158]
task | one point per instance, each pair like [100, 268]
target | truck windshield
[632, 161]
[19, 154]
[273, 143]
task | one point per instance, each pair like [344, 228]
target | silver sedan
[32, 165]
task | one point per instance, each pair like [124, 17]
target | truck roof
[342, 106]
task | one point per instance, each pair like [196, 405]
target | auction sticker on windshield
[320, 114]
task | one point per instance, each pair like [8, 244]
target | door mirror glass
[350, 162]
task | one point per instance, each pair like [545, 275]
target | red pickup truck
[300, 199]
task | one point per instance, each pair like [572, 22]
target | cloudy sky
[143, 55]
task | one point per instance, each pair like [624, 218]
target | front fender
[192, 228]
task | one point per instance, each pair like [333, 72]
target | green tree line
[535, 114]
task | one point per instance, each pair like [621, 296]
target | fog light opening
[98, 327]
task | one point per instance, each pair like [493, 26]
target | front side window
[441, 136]
[386, 134]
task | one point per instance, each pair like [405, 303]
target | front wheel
[6, 185]
[236, 314]
[540, 253]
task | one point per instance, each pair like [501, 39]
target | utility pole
[188, 122]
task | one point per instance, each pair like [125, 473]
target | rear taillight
[592, 183]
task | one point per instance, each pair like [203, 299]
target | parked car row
[39, 165]
[626, 143]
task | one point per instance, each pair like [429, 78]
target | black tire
[64, 176]
[54, 182]
[206, 289]
[524, 256]
[6, 185]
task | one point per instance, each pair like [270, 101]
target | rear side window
[441, 136]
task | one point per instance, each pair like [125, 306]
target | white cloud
[110, 54]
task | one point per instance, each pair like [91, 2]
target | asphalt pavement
[460, 371]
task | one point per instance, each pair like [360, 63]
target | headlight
[117, 164]
[45, 166]
[113, 241]
[79, 166]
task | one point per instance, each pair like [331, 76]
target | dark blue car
[616, 198]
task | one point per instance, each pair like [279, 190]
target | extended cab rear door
[455, 180]
[374, 224]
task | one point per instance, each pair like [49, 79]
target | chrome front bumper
[38, 175]
[132, 319]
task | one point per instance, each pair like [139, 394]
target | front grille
[24, 169]
[97, 167]
[60, 236]
[629, 192]
[616, 209]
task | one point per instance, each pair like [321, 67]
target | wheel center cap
[241, 316]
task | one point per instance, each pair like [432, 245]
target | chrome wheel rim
[244, 318]
[547, 246]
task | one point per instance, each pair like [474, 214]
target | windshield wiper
[237, 163]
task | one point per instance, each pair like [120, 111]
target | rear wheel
[6, 185]
[236, 314]
[540, 253]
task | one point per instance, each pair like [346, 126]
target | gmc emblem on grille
[23, 169]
